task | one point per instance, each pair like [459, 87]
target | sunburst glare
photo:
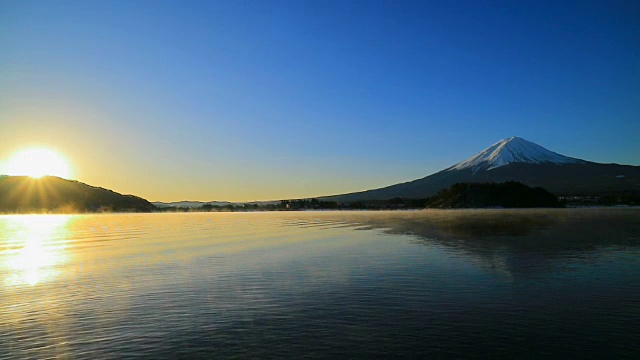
[38, 162]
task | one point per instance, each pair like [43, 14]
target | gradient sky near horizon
[262, 100]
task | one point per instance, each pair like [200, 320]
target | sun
[38, 162]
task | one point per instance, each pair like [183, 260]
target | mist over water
[476, 283]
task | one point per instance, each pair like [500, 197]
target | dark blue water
[492, 283]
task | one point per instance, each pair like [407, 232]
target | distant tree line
[462, 195]
[617, 198]
[305, 204]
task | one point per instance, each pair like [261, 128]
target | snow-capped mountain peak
[513, 150]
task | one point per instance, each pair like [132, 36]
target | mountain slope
[54, 194]
[515, 159]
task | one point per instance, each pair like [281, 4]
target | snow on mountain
[513, 150]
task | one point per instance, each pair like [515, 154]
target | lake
[435, 283]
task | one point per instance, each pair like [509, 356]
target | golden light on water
[34, 246]
[36, 163]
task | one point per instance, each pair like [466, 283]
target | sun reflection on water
[33, 247]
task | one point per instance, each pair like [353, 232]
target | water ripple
[551, 283]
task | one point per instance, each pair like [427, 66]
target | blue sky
[258, 100]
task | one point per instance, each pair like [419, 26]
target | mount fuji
[513, 150]
[515, 159]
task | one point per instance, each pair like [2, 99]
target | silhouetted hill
[22, 194]
[509, 195]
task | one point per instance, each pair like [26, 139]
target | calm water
[527, 284]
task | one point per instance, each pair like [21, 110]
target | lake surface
[477, 283]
